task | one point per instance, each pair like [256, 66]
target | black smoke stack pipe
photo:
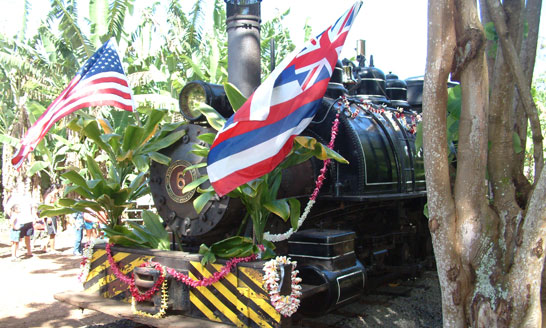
[243, 29]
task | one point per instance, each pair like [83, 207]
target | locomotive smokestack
[243, 29]
[361, 52]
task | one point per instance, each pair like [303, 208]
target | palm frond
[116, 19]
[175, 9]
[145, 77]
[15, 61]
[68, 25]
[26, 11]
[98, 21]
[197, 18]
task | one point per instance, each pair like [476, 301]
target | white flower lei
[285, 305]
[283, 236]
[87, 255]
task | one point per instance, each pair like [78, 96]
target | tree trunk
[489, 253]
[442, 215]
[527, 55]
[509, 50]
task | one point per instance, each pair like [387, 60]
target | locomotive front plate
[176, 180]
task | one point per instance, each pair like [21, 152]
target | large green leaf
[132, 138]
[319, 150]
[75, 178]
[196, 68]
[144, 234]
[141, 162]
[454, 101]
[157, 145]
[276, 176]
[160, 158]
[98, 187]
[93, 168]
[200, 202]
[195, 183]
[122, 196]
[127, 241]
[214, 57]
[152, 122]
[9, 140]
[195, 166]
[153, 223]
[295, 212]
[235, 97]
[92, 131]
[236, 246]
[279, 207]
[207, 137]
[98, 14]
[199, 150]
[82, 192]
[215, 120]
[37, 166]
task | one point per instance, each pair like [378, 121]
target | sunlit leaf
[195, 183]
[235, 97]
[279, 207]
[200, 202]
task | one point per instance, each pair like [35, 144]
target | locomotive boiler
[368, 220]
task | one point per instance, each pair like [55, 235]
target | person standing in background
[22, 218]
[51, 222]
[78, 233]
[90, 226]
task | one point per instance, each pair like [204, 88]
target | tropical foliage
[162, 45]
[151, 234]
[118, 167]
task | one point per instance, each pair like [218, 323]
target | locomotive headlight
[198, 92]
[190, 97]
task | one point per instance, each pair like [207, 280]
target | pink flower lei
[175, 274]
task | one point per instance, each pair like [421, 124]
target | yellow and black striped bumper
[238, 299]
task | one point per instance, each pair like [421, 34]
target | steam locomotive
[368, 220]
[369, 215]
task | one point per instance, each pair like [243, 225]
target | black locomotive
[368, 220]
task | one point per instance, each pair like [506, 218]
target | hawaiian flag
[101, 81]
[260, 134]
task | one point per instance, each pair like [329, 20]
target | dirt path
[28, 287]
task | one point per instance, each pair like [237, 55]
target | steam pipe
[243, 28]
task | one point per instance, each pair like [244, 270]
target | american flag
[260, 134]
[101, 81]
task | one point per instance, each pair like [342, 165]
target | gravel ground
[409, 303]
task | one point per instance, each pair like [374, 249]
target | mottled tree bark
[527, 54]
[442, 214]
[489, 251]
[516, 68]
